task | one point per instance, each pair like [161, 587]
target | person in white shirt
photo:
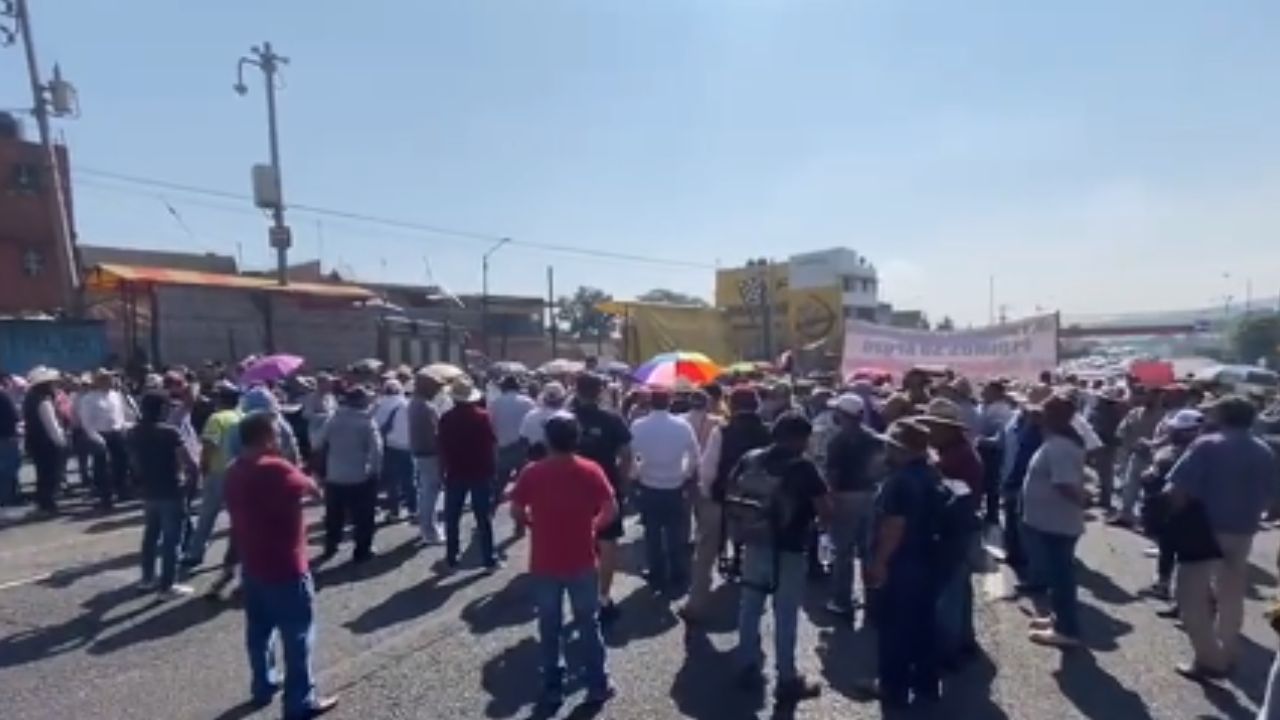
[551, 401]
[507, 412]
[667, 449]
[101, 414]
[391, 415]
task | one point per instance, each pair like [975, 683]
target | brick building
[35, 272]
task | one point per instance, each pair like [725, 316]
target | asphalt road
[399, 639]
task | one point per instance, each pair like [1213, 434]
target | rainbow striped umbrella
[668, 369]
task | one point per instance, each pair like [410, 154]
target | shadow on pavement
[339, 572]
[509, 606]
[409, 603]
[40, 643]
[512, 679]
[642, 614]
[1102, 587]
[1253, 665]
[1100, 631]
[1094, 691]
[704, 687]
[115, 523]
[172, 620]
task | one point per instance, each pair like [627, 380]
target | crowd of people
[879, 496]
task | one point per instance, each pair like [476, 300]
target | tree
[579, 316]
[1257, 336]
[671, 297]
[946, 324]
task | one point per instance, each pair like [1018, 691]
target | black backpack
[756, 503]
[955, 515]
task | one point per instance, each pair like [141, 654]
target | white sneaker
[178, 590]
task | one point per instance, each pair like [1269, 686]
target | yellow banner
[649, 329]
[815, 317]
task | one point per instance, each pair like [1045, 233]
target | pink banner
[1018, 350]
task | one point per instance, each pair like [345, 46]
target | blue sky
[1093, 156]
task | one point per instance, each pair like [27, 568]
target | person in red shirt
[565, 500]
[957, 460]
[264, 495]
[468, 462]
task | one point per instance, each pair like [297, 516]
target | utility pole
[551, 311]
[58, 94]
[484, 293]
[269, 191]
[766, 308]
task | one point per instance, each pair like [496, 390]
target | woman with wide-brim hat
[45, 439]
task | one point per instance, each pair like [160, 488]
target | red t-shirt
[563, 496]
[264, 498]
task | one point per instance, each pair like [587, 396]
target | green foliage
[671, 297]
[1257, 336]
[579, 316]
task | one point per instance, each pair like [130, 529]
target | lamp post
[484, 293]
[265, 59]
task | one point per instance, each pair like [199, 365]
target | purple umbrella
[272, 368]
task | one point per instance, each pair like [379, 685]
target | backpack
[756, 505]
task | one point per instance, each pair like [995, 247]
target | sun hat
[41, 374]
[552, 392]
[941, 411]
[908, 435]
[461, 389]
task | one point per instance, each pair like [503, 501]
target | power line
[393, 222]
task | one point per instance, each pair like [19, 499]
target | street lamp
[484, 293]
[268, 188]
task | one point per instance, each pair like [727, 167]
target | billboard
[1020, 349]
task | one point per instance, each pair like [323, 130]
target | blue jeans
[210, 505]
[955, 629]
[428, 469]
[398, 480]
[286, 608]
[1053, 564]
[662, 512]
[455, 496]
[906, 613]
[163, 530]
[850, 535]
[785, 571]
[10, 464]
[584, 600]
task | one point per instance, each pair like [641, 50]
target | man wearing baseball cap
[854, 465]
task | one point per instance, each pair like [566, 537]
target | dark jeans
[10, 464]
[357, 503]
[162, 532]
[584, 600]
[455, 496]
[1014, 554]
[110, 467]
[906, 611]
[51, 468]
[666, 552]
[286, 608]
[1053, 565]
[955, 613]
[1166, 561]
[398, 480]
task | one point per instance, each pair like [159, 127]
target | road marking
[10, 584]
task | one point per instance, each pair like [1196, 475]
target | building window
[25, 178]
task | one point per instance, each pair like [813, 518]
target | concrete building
[797, 304]
[35, 269]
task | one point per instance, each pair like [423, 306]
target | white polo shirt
[666, 448]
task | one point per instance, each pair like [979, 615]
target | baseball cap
[849, 404]
[1186, 419]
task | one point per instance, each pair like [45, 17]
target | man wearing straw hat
[900, 571]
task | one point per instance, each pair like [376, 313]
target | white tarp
[1020, 349]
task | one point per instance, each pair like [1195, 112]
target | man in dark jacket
[725, 446]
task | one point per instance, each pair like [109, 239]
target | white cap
[553, 392]
[849, 404]
[1187, 419]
